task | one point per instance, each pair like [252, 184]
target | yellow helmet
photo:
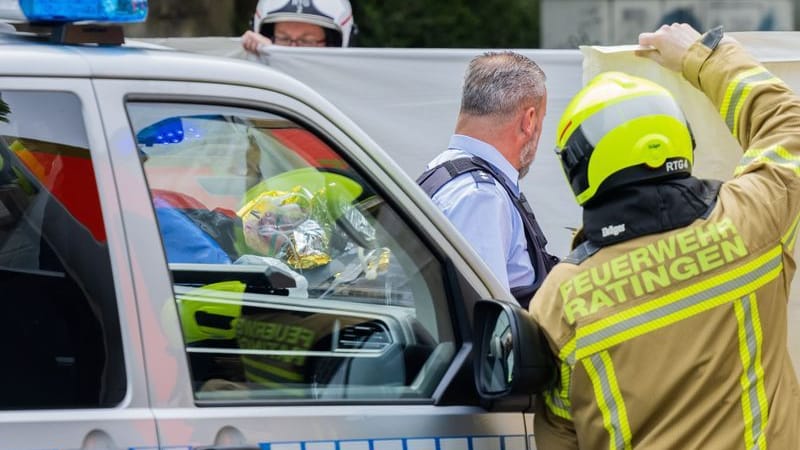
[205, 312]
[620, 130]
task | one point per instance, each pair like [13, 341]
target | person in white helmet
[301, 23]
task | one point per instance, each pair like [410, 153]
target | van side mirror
[512, 355]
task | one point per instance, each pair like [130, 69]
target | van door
[72, 375]
[290, 294]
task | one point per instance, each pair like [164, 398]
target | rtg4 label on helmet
[621, 130]
[681, 164]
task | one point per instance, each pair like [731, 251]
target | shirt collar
[486, 152]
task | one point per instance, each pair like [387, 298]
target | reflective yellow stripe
[567, 352]
[737, 93]
[791, 243]
[279, 372]
[768, 79]
[788, 240]
[557, 400]
[676, 306]
[754, 396]
[555, 404]
[609, 399]
[775, 155]
[725, 107]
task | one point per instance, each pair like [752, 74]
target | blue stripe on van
[489, 442]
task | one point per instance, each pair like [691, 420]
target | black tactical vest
[433, 179]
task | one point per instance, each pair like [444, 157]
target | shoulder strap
[542, 261]
[519, 200]
[434, 178]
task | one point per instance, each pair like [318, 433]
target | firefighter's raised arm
[759, 109]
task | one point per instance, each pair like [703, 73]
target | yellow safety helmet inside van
[621, 130]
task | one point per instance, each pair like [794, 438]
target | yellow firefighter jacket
[678, 339]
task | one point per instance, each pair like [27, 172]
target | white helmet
[334, 16]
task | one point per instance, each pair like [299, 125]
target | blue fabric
[485, 214]
[185, 242]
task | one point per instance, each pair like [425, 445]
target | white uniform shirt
[485, 214]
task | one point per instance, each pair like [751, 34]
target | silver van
[204, 253]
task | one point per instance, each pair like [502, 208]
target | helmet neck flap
[644, 209]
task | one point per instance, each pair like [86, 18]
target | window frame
[458, 317]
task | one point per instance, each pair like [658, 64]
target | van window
[294, 277]
[60, 330]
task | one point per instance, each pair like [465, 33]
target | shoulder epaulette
[481, 176]
[581, 253]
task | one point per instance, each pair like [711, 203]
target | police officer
[475, 181]
[669, 320]
[308, 23]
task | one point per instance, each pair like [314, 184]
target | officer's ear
[527, 121]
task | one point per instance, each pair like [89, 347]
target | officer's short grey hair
[500, 83]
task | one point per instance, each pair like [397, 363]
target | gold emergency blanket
[293, 226]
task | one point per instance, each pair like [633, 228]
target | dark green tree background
[447, 23]
[434, 23]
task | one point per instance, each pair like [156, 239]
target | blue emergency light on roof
[64, 11]
[174, 130]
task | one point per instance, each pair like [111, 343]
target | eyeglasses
[302, 41]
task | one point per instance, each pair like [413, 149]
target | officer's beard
[526, 156]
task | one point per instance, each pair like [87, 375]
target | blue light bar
[174, 130]
[109, 11]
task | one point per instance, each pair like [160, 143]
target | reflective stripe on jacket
[679, 339]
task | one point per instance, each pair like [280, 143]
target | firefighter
[669, 317]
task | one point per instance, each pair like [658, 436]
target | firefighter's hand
[253, 42]
[670, 43]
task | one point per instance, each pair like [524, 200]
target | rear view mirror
[512, 355]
